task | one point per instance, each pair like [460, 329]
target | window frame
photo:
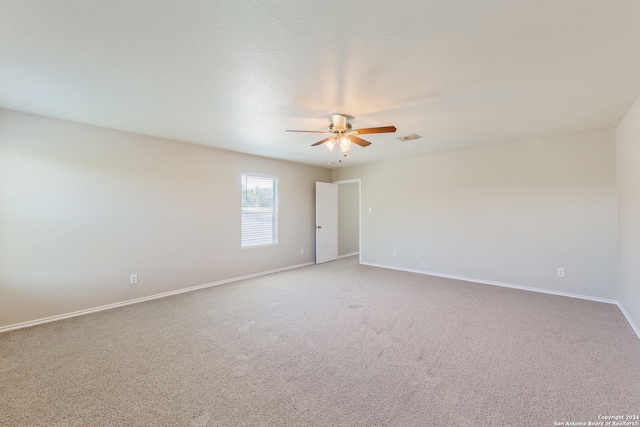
[260, 235]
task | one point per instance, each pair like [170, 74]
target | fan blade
[309, 131]
[382, 129]
[359, 141]
[321, 142]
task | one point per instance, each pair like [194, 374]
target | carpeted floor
[337, 344]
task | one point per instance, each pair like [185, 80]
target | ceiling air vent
[409, 137]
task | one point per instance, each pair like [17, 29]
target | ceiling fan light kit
[345, 144]
[343, 135]
[330, 144]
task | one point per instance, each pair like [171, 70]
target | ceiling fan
[343, 135]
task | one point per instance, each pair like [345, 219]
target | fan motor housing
[347, 128]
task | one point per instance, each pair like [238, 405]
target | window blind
[259, 210]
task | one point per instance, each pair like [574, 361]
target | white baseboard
[137, 300]
[346, 255]
[263, 273]
[630, 320]
[524, 288]
[504, 285]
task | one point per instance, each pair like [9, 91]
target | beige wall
[348, 218]
[508, 214]
[628, 169]
[82, 207]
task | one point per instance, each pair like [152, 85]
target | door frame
[359, 182]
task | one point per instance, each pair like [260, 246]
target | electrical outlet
[370, 209]
[560, 272]
[133, 279]
[394, 253]
[301, 251]
[421, 257]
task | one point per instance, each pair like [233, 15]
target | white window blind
[259, 210]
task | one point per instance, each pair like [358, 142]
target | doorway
[349, 217]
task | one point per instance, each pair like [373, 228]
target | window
[259, 210]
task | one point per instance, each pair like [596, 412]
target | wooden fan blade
[321, 142]
[382, 129]
[309, 131]
[359, 141]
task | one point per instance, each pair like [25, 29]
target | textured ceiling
[236, 74]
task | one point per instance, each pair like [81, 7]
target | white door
[326, 222]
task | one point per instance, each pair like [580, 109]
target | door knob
[318, 226]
